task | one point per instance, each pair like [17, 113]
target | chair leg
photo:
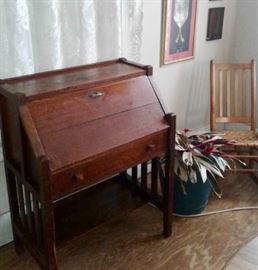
[252, 165]
[251, 162]
[254, 177]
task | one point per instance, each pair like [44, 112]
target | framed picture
[178, 27]
[215, 23]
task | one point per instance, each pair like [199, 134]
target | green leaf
[180, 171]
[210, 167]
[203, 172]
[215, 187]
[187, 158]
[221, 162]
[193, 176]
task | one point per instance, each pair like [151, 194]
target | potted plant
[199, 161]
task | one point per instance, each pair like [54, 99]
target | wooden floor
[245, 258]
[135, 242]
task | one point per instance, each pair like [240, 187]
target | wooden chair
[233, 101]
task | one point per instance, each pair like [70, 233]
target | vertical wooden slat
[29, 210]
[228, 94]
[134, 174]
[220, 93]
[236, 94]
[37, 219]
[244, 92]
[144, 175]
[21, 202]
[154, 175]
[14, 206]
[212, 95]
[13, 199]
[253, 95]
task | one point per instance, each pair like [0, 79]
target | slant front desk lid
[78, 126]
[82, 114]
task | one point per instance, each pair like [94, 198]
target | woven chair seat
[242, 137]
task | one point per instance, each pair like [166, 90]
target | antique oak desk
[66, 134]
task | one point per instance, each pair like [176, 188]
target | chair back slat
[220, 93]
[253, 95]
[229, 83]
[243, 92]
[228, 94]
[236, 93]
[212, 95]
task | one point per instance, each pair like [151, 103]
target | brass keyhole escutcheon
[96, 94]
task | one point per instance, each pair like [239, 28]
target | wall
[246, 36]
[184, 86]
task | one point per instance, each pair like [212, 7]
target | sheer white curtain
[38, 35]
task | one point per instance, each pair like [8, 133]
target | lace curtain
[38, 35]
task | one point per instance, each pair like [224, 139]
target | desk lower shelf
[92, 207]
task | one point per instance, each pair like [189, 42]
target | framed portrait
[215, 23]
[178, 29]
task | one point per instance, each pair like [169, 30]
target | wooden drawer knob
[151, 146]
[79, 177]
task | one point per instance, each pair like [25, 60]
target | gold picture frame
[177, 30]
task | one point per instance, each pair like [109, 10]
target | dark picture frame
[215, 23]
[178, 30]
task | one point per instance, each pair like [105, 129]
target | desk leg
[49, 238]
[169, 178]
[168, 201]
[49, 242]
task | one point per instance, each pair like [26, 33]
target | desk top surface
[49, 82]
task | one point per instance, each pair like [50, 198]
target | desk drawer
[109, 163]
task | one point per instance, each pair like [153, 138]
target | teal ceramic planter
[196, 199]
